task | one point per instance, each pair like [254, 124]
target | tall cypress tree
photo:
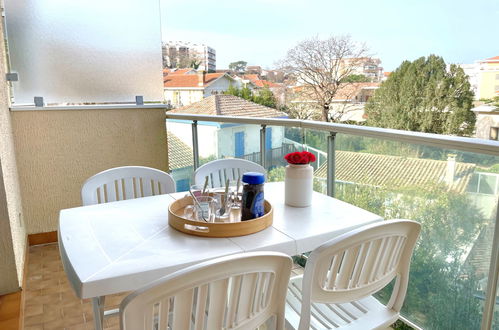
[424, 96]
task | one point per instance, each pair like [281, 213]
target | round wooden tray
[215, 229]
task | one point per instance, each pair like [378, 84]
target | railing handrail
[437, 140]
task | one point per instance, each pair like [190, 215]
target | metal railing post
[262, 146]
[331, 163]
[195, 146]
[490, 294]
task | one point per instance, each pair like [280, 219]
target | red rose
[304, 159]
[296, 158]
[311, 157]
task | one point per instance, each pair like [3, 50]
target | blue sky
[261, 31]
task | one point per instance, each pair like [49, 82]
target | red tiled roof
[255, 79]
[189, 80]
[181, 71]
[494, 59]
[251, 77]
[229, 105]
[386, 73]
[395, 171]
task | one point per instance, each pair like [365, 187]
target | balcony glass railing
[448, 184]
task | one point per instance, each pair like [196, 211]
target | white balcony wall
[12, 227]
[85, 51]
[58, 150]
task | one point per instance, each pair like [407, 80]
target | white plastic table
[121, 246]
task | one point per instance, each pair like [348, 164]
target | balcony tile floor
[50, 302]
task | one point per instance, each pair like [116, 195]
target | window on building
[497, 76]
[494, 133]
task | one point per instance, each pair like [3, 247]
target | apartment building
[367, 66]
[483, 76]
[179, 54]
[488, 83]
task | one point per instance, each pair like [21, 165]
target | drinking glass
[197, 190]
[205, 209]
[189, 212]
[223, 202]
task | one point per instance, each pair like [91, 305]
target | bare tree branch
[321, 65]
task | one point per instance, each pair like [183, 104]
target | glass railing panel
[453, 195]
[280, 142]
[180, 154]
[237, 141]
[278, 145]
[316, 143]
[495, 319]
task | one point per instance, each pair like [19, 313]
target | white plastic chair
[240, 291]
[218, 171]
[126, 182]
[341, 275]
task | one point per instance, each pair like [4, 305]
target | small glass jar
[253, 197]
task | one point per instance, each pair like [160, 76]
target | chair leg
[98, 307]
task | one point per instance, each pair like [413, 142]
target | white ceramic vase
[298, 185]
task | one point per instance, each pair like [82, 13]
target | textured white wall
[58, 150]
[12, 229]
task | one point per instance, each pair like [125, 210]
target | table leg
[98, 307]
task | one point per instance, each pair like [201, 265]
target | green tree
[232, 90]
[353, 78]
[264, 96]
[246, 93]
[493, 101]
[238, 67]
[441, 287]
[424, 96]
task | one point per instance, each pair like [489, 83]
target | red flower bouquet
[300, 157]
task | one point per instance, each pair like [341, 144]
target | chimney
[451, 169]
[201, 78]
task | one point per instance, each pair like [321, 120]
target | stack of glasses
[215, 204]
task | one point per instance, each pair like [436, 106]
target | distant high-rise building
[180, 54]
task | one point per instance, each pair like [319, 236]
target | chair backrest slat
[234, 301]
[164, 313]
[182, 309]
[128, 188]
[218, 298]
[359, 266]
[235, 292]
[110, 190]
[127, 182]
[200, 316]
[248, 288]
[221, 170]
